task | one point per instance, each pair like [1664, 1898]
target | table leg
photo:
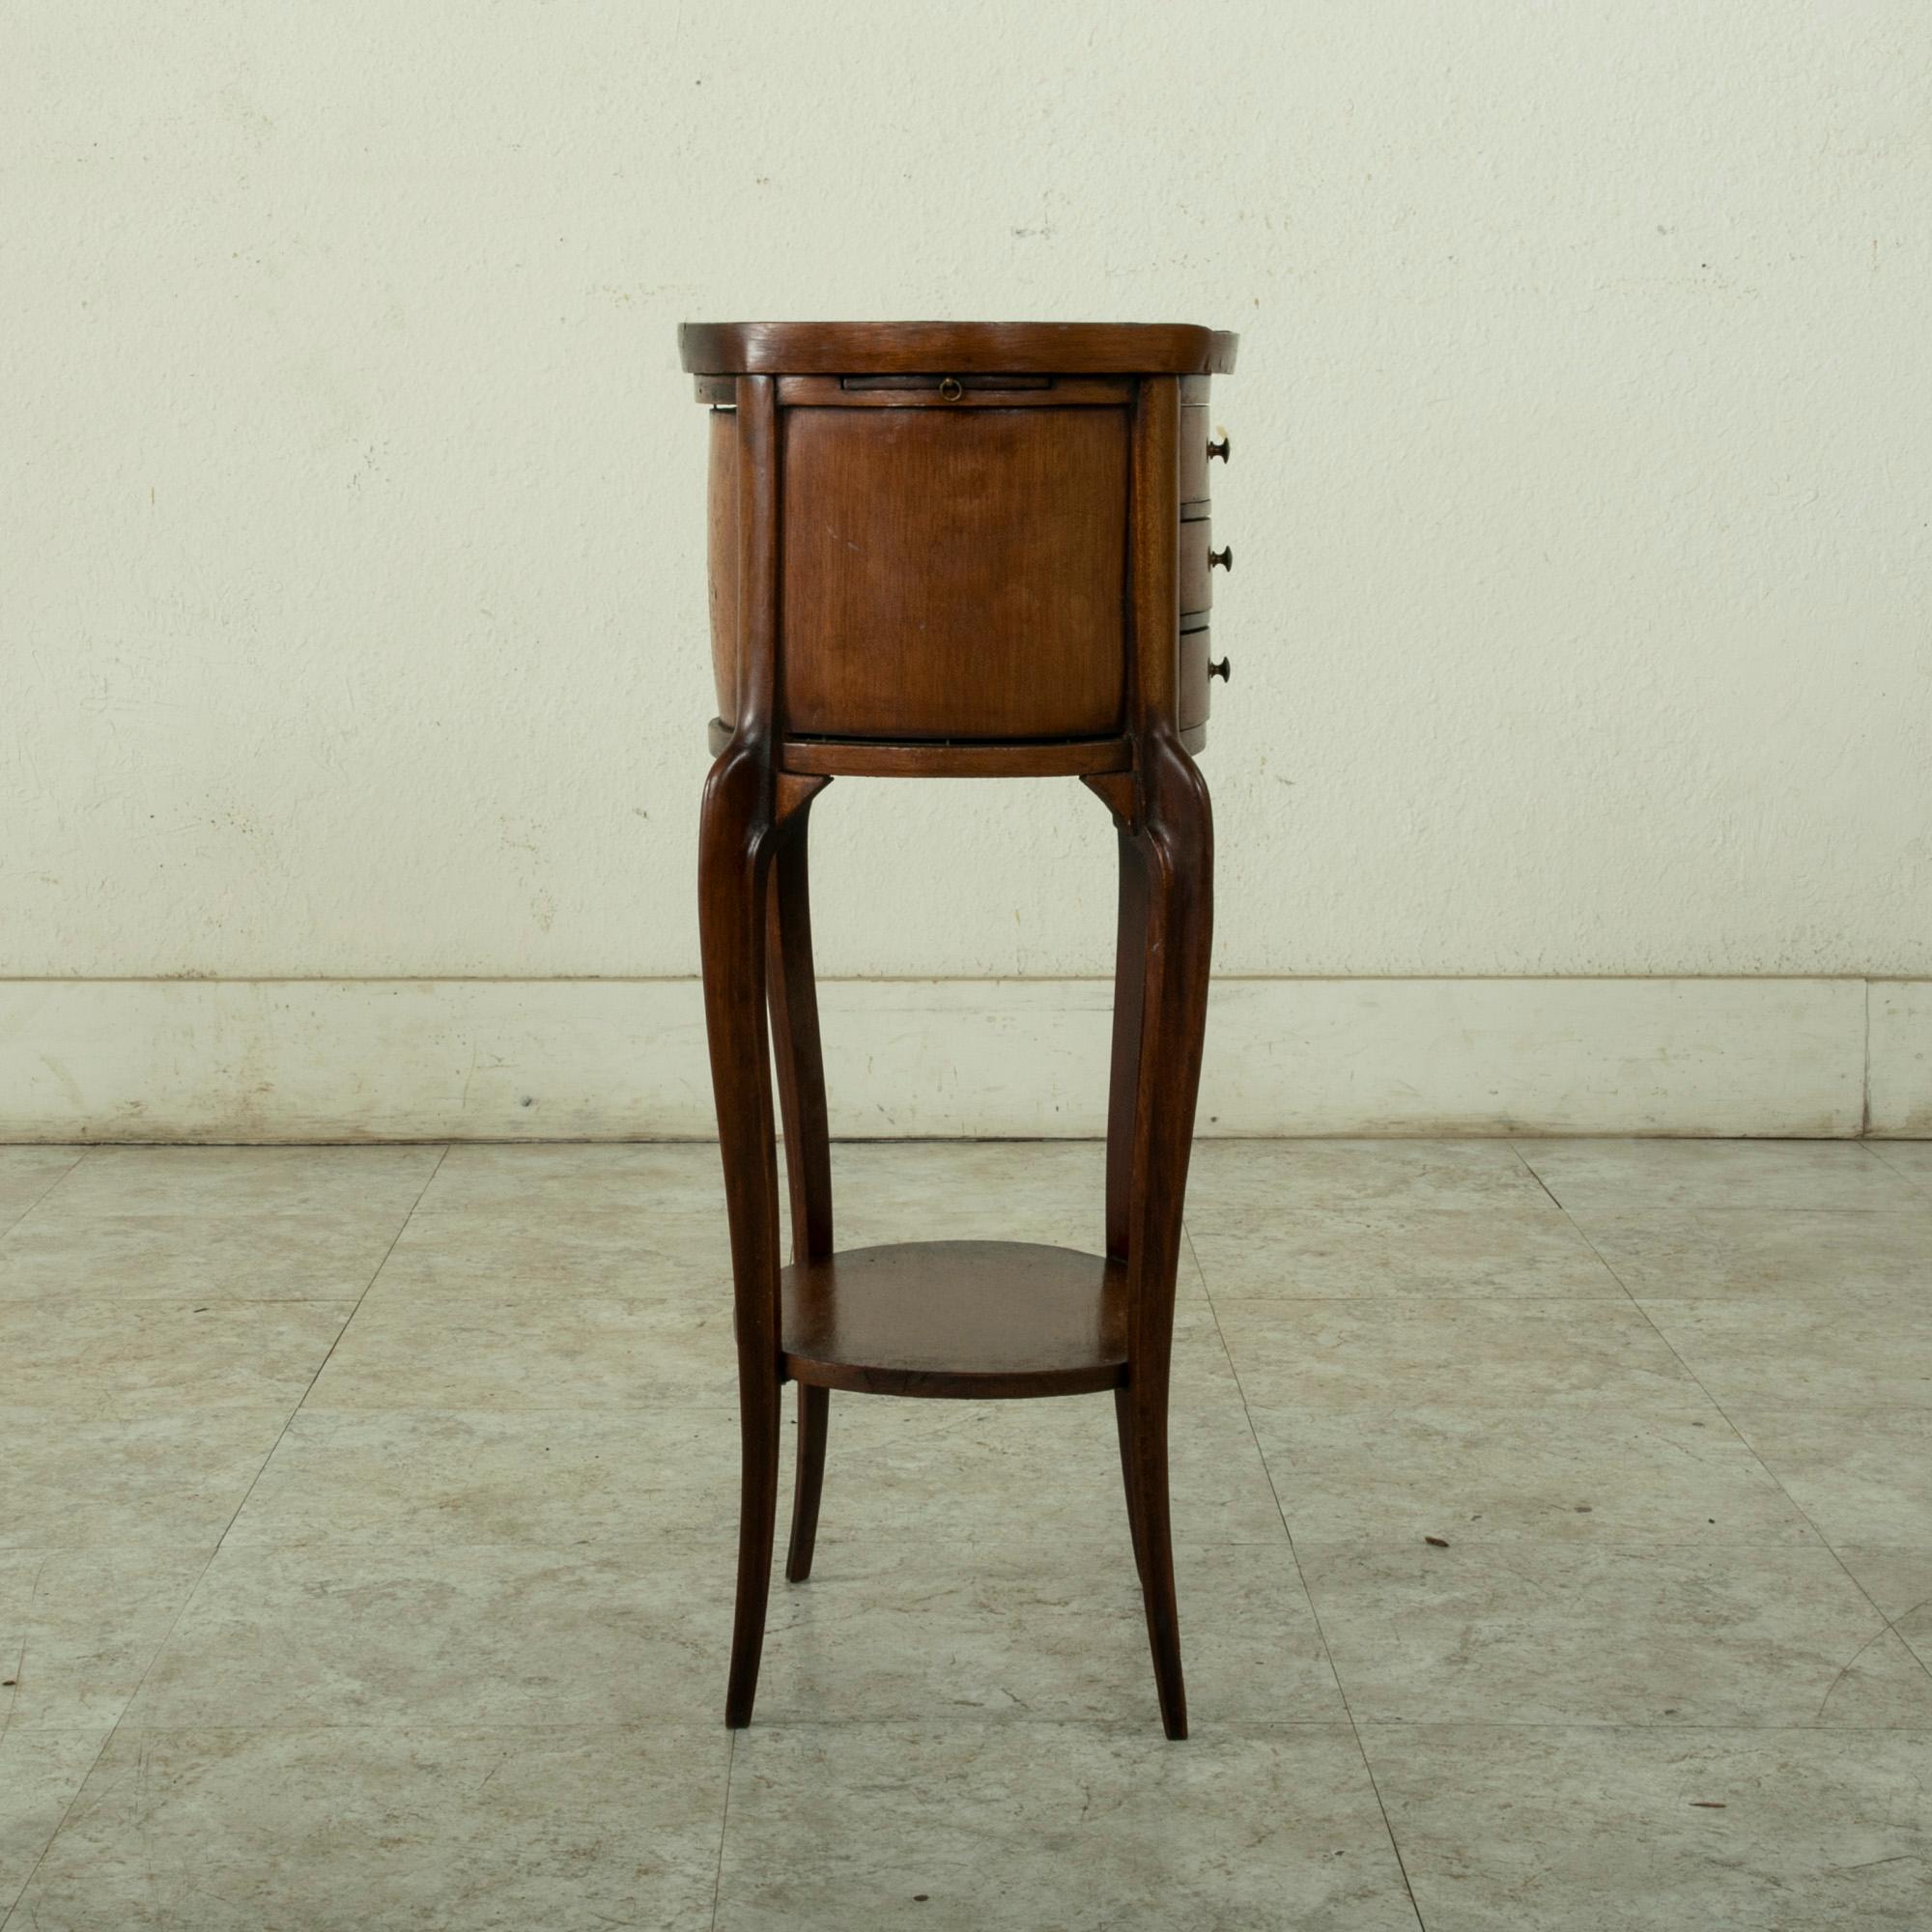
[1175, 887]
[793, 996]
[1124, 1081]
[745, 804]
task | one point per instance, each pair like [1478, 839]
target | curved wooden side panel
[953, 574]
[722, 546]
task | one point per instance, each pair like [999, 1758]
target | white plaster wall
[352, 601]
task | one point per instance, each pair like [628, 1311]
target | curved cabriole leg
[793, 996]
[1173, 885]
[1123, 1099]
[735, 843]
[1123, 1424]
[1124, 1081]
[815, 1413]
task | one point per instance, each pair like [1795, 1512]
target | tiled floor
[365, 1553]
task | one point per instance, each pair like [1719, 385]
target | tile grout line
[1864, 1091]
[1308, 1595]
[328, 1355]
[167, 1636]
[19, 1220]
[1824, 1541]
[5, 1919]
[723, 1825]
[1876, 1147]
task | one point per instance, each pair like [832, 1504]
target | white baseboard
[294, 1059]
[1899, 1090]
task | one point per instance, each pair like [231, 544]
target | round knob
[1224, 557]
[1219, 448]
[951, 388]
[1219, 670]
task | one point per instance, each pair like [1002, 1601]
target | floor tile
[1008, 1473]
[506, 1511]
[1900, 1581]
[501, 1633]
[1863, 1352]
[303, 1255]
[1525, 1249]
[78, 1629]
[1600, 1472]
[1471, 1353]
[537, 1251]
[26, 1174]
[245, 1179]
[981, 1632]
[1233, 1185]
[1200, 1369]
[40, 1772]
[375, 1829]
[1050, 1191]
[535, 1351]
[1860, 1475]
[425, 1479]
[1029, 1826]
[201, 1224]
[1752, 1254]
[1630, 1177]
[596, 1215]
[1644, 1831]
[155, 1481]
[547, 1183]
[1911, 1158]
[1546, 1634]
[113, 1358]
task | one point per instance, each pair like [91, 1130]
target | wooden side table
[969, 550]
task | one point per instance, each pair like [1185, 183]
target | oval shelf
[975, 1320]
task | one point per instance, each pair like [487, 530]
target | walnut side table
[967, 550]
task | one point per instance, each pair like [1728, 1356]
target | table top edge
[954, 348]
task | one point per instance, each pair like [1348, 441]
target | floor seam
[188, 1595]
[19, 1220]
[328, 1356]
[1308, 1595]
[1864, 1091]
[1824, 1541]
[723, 1826]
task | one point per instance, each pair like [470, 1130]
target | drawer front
[1197, 576]
[1194, 454]
[953, 574]
[1196, 686]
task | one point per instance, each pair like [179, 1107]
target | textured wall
[351, 605]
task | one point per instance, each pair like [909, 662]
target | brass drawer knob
[951, 388]
[1224, 557]
[1219, 670]
[1219, 448]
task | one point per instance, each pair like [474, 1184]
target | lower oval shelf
[975, 1320]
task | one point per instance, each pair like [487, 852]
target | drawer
[1196, 686]
[1197, 575]
[953, 573]
[1194, 454]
